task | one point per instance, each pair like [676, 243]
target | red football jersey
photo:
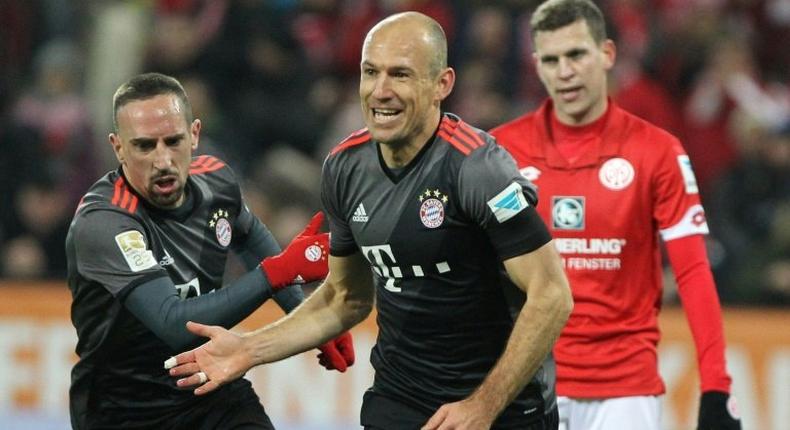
[630, 184]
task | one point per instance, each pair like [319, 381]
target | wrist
[486, 407]
[251, 354]
[275, 273]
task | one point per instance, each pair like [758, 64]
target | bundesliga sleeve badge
[508, 203]
[137, 256]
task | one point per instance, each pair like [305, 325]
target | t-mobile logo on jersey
[376, 256]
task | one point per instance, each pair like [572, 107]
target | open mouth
[383, 116]
[165, 184]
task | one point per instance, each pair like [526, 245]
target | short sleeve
[111, 248]
[677, 208]
[341, 240]
[497, 198]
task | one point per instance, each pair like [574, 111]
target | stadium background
[274, 82]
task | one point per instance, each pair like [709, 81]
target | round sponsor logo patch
[698, 218]
[313, 253]
[616, 174]
[432, 213]
[224, 232]
[567, 213]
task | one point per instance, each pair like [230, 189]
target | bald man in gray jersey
[469, 289]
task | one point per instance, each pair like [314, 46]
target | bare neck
[398, 154]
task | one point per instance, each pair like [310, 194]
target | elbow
[181, 342]
[359, 310]
[567, 306]
[562, 300]
[565, 302]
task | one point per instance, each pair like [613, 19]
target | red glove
[305, 257]
[338, 353]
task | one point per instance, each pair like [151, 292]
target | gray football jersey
[435, 235]
[117, 242]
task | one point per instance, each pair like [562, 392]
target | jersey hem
[580, 392]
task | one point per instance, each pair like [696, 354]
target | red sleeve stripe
[209, 164]
[199, 160]
[468, 131]
[79, 205]
[123, 198]
[460, 147]
[356, 138]
[133, 204]
[455, 138]
[116, 195]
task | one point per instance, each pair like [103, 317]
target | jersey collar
[608, 146]
[181, 213]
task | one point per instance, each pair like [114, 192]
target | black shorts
[239, 413]
[234, 407]
[383, 413]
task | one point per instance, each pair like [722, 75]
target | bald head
[415, 29]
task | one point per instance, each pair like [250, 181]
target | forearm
[159, 307]
[535, 330]
[258, 245]
[697, 291]
[341, 302]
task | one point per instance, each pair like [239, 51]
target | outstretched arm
[343, 300]
[537, 327]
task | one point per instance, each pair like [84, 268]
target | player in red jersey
[612, 184]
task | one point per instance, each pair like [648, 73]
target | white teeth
[385, 111]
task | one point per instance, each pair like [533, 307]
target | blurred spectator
[182, 33]
[751, 216]
[730, 80]
[276, 85]
[51, 140]
[37, 234]
[55, 108]
[481, 93]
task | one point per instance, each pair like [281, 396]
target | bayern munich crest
[616, 174]
[432, 208]
[222, 229]
[313, 253]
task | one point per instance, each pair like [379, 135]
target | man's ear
[115, 142]
[610, 53]
[194, 130]
[446, 83]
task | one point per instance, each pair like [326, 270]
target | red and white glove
[338, 353]
[305, 257]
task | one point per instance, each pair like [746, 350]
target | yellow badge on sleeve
[132, 245]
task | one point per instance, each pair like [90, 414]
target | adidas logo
[360, 215]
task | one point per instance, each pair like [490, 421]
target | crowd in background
[275, 84]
